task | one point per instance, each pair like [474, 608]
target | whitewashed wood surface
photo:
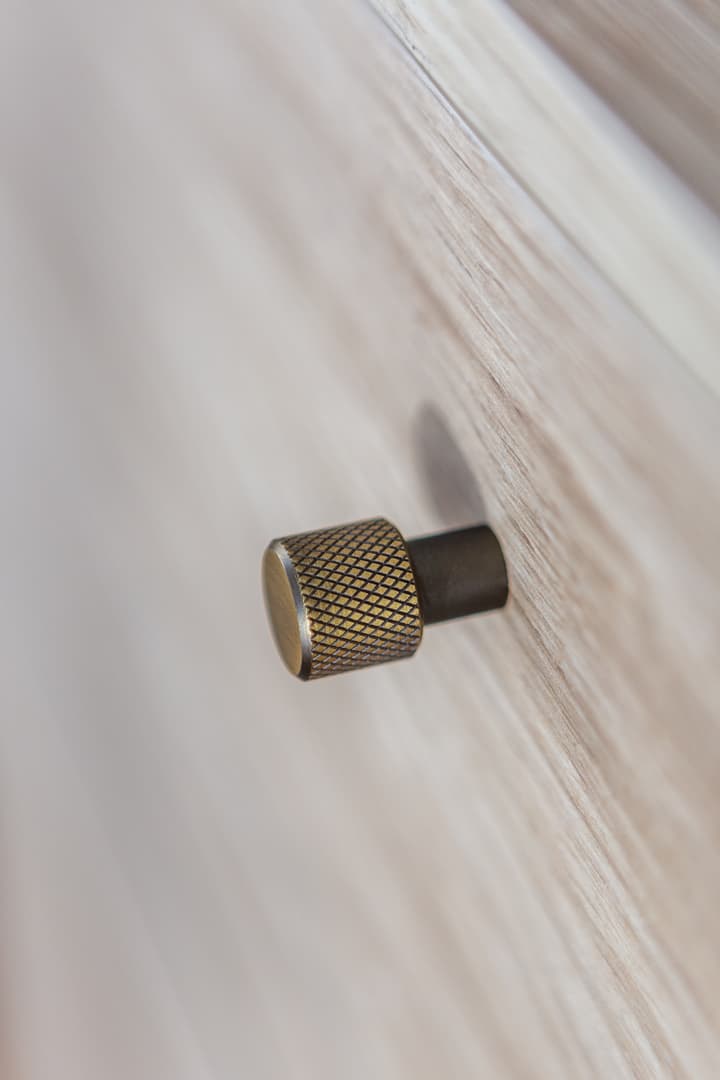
[605, 189]
[656, 63]
[260, 274]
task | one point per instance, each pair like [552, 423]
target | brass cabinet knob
[359, 594]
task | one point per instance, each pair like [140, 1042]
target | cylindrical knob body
[342, 598]
[355, 595]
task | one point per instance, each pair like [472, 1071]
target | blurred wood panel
[657, 64]
[626, 212]
[260, 281]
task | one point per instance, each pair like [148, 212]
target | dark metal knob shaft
[461, 572]
[355, 595]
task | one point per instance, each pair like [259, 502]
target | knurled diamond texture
[359, 593]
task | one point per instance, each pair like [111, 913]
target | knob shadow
[449, 481]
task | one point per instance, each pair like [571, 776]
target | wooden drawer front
[312, 294]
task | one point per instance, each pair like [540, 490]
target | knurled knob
[359, 594]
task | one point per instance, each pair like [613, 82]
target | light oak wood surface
[266, 274]
[638, 225]
[657, 63]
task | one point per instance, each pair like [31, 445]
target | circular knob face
[342, 598]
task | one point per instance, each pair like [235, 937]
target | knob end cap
[285, 608]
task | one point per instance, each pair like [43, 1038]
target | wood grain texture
[629, 216]
[254, 278]
[656, 64]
